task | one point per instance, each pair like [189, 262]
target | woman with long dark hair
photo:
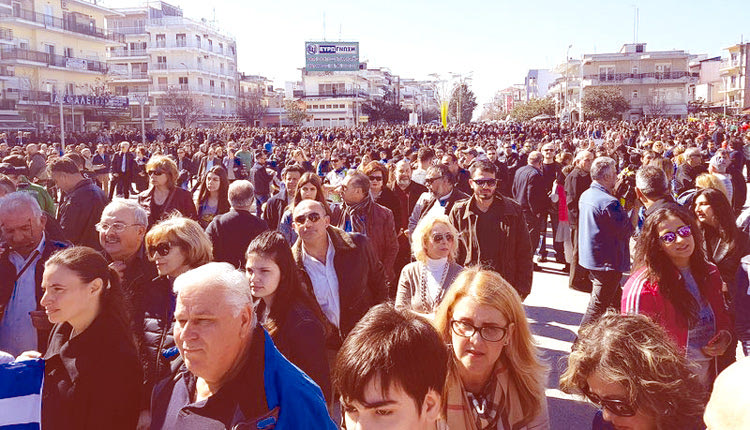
[213, 195]
[285, 307]
[93, 377]
[674, 284]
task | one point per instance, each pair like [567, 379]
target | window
[161, 40]
[70, 88]
[331, 89]
[634, 71]
[635, 94]
[180, 40]
[183, 80]
[223, 88]
[221, 48]
[161, 63]
[663, 71]
[68, 52]
[210, 44]
[606, 73]
[200, 82]
[197, 41]
[50, 49]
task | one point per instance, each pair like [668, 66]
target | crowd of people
[374, 277]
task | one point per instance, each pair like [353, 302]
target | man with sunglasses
[440, 199]
[492, 230]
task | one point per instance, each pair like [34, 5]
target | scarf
[355, 216]
[497, 406]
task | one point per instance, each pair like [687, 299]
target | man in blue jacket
[229, 374]
[604, 231]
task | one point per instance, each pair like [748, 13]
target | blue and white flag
[21, 395]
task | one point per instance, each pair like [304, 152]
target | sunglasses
[438, 237]
[485, 182]
[162, 249]
[312, 216]
[617, 407]
[376, 178]
[671, 236]
[155, 172]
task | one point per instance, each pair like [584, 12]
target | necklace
[423, 286]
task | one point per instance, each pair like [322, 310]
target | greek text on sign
[331, 56]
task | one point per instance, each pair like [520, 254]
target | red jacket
[639, 296]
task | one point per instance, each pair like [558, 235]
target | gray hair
[601, 167]
[140, 216]
[19, 199]
[222, 276]
[241, 194]
[581, 154]
[652, 181]
[535, 157]
[691, 152]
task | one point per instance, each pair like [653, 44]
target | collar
[39, 248]
[472, 209]
[330, 248]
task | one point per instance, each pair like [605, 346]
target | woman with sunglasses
[495, 377]
[423, 283]
[309, 187]
[377, 173]
[629, 367]
[175, 245]
[675, 285]
[213, 195]
[285, 309]
[164, 196]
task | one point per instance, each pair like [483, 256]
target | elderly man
[122, 168]
[342, 270]
[604, 231]
[82, 206]
[652, 189]
[689, 170]
[577, 181]
[23, 322]
[729, 407]
[529, 192]
[440, 199]
[233, 231]
[407, 193]
[37, 164]
[229, 373]
[360, 214]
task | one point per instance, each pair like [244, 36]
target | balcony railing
[6, 34]
[28, 95]
[620, 77]
[728, 64]
[128, 53]
[131, 30]
[193, 44]
[53, 60]
[131, 75]
[337, 95]
[64, 24]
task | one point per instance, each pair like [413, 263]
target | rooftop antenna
[324, 26]
[339, 32]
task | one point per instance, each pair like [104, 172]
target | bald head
[729, 407]
[535, 158]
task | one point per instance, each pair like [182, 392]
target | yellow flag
[444, 114]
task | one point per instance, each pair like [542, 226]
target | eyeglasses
[617, 407]
[312, 216]
[429, 181]
[155, 172]
[671, 236]
[438, 237]
[162, 248]
[376, 178]
[485, 182]
[116, 227]
[490, 333]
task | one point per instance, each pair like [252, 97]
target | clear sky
[496, 40]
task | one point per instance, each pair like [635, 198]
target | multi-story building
[53, 58]
[707, 91]
[419, 97]
[655, 83]
[173, 57]
[566, 90]
[254, 98]
[537, 82]
[735, 72]
[335, 99]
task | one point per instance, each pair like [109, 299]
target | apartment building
[167, 54]
[255, 97]
[419, 96]
[566, 90]
[53, 54]
[707, 92]
[537, 83]
[656, 83]
[735, 74]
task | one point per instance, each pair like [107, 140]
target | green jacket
[41, 195]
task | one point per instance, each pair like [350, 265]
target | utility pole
[141, 99]
[565, 98]
[62, 122]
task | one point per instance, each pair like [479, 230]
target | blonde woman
[495, 377]
[423, 283]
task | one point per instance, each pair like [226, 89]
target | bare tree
[656, 104]
[251, 108]
[296, 111]
[181, 106]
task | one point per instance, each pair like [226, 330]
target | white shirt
[325, 283]
[17, 333]
[435, 270]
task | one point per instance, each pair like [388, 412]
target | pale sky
[499, 41]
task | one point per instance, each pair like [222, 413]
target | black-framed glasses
[429, 181]
[312, 216]
[162, 249]
[438, 237]
[620, 408]
[485, 182]
[671, 236]
[490, 333]
[376, 178]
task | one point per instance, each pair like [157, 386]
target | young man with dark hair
[381, 375]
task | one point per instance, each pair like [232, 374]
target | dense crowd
[240, 277]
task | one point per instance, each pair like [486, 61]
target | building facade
[735, 74]
[537, 83]
[707, 93]
[52, 59]
[171, 59]
[566, 90]
[655, 83]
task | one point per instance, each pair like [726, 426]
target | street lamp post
[565, 97]
[141, 99]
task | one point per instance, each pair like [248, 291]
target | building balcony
[132, 30]
[43, 58]
[126, 53]
[729, 66]
[48, 21]
[639, 78]
[352, 94]
[132, 76]
[192, 44]
[28, 96]
[186, 68]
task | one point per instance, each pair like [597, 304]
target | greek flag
[21, 395]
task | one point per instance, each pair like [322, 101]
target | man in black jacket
[122, 168]
[577, 181]
[83, 204]
[261, 179]
[689, 170]
[233, 231]
[529, 192]
[276, 205]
